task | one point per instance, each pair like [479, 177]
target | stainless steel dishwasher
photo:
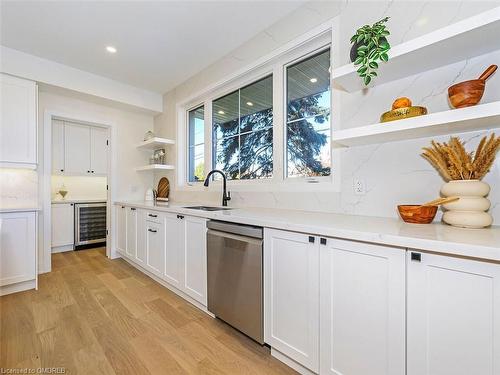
[235, 276]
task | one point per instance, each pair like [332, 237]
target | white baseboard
[17, 287]
[61, 249]
[291, 363]
[166, 285]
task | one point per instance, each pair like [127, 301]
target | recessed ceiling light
[250, 104]
[111, 49]
[313, 80]
[221, 112]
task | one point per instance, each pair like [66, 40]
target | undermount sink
[208, 208]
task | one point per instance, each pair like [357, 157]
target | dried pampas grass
[453, 161]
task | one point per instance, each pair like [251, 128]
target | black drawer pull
[322, 241]
[152, 230]
[123, 206]
[132, 208]
[311, 239]
[416, 257]
[180, 217]
[151, 215]
[62, 170]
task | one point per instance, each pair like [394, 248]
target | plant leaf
[363, 48]
[362, 69]
[384, 57]
[358, 60]
[373, 65]
[367, 80]
[373, 73]
[359, 38]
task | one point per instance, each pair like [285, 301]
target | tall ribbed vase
[470, 210]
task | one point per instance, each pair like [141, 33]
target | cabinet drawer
[153, 216]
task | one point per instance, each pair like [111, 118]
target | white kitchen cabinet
[453, 315]
[291, 295]
[195, 257]
[57, 147]
[98, 151]
[362, 309]
[174, 257]
[155, 247]
[18, 122]
[18, 251]
[131, 224]
[121, 229]
[63, 219]
[77, 147]
[140, 254]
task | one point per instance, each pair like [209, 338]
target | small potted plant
[370, 45]
[463, 172]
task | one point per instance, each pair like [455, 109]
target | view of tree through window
[308, 117]
[196, 136]
[243, 133]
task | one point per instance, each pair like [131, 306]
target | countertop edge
[407, 241]
[20, 209]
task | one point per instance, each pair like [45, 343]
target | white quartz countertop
[437, 237]
[60, 201]
[19, 209]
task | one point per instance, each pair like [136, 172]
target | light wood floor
[92, 315]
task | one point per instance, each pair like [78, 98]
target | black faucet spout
[226, 196]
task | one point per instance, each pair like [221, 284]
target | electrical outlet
[359, 186]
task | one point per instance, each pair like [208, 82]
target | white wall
[394, 173]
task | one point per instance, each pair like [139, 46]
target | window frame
[241, 87]
[297, 58]
[308, 44]
[188, 146]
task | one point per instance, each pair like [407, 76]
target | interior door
[77, 148]
[99, 151]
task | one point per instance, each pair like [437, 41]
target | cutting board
[163, 189]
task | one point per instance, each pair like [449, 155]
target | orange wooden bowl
[413, 213]
[466, 94]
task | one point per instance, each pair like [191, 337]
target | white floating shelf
[471, 37]
[480, 117]
[155, 143]
[155, 166]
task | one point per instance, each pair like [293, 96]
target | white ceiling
[160, 44]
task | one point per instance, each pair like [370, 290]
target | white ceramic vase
[470, 210]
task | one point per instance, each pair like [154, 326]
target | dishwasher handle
[238, 229]
[235, 237]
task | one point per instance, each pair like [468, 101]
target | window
[308, 116]
[196, 136]
[242, 138]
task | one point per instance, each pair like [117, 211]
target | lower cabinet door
[63, 228]
[131, 231]
[195, 258]
[17, 247]
[121, 229]
[140, 254]
[174, 255]
[362, 311]
[291, 295]
[453, 316]
[155, 248]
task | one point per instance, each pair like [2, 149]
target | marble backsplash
[393, 173]
[18, 188]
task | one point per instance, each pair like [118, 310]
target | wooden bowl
[466, 94]
[413, 213]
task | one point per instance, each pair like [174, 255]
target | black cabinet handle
[92, 171]
[152, 230]
[151, 215]
[180, 217]
[71, 204]
[62, 170]
[123, 206]
[416, 257]
[311, 239]
[132, 209]
[322, 241]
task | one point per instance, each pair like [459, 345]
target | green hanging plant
[372, 46]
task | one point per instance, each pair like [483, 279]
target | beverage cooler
[90, 224]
